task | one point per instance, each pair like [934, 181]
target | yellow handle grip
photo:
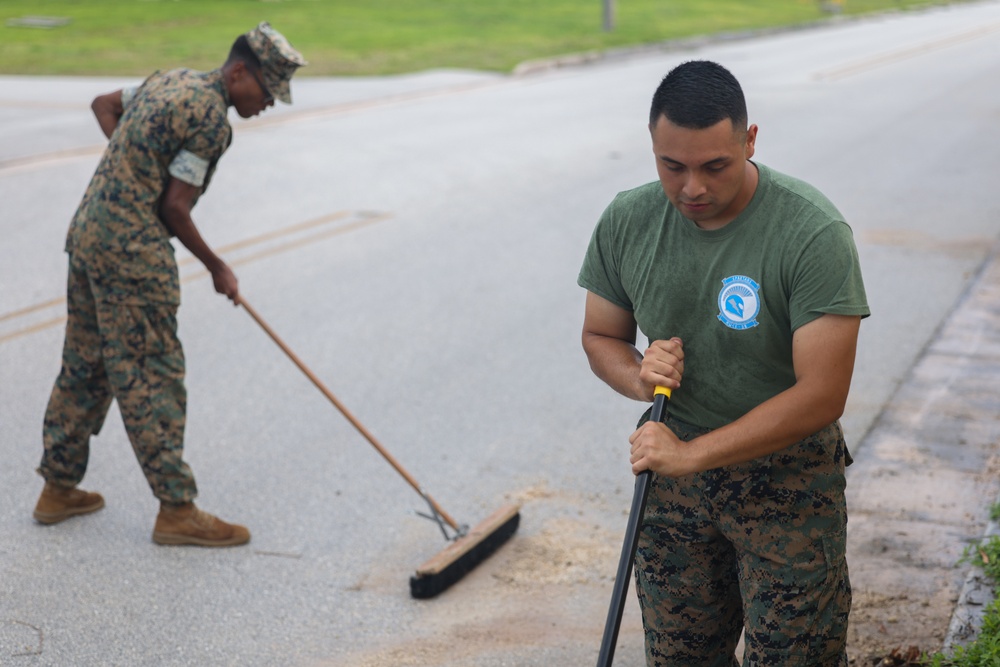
[661, 390]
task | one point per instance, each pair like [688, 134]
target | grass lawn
[344, 37]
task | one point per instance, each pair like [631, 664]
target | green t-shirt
[733, 295]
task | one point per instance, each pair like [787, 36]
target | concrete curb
[916, 492]
[977, 594]
[977, 590]
[529, 67]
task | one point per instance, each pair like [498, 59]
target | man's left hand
[656, 448]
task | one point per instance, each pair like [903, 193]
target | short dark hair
[698, 94]
[242, 52]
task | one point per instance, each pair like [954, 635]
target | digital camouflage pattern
[123, 288]
[760, 544]
[278, 59]
[130, 353]
[117, 228]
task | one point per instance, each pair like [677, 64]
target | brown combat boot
[186, 524]
[58, 503]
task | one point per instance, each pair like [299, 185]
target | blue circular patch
[739, 302]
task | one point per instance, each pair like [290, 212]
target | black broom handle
[627, 559]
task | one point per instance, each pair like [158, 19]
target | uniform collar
[217, 80]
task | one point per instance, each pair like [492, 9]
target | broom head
[459, 557]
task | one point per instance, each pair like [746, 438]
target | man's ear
[751, 140]
[239, 68]
[234, 71]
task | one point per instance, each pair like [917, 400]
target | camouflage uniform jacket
[174, 125]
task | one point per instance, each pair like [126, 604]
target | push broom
[468, 547]
[642, 483]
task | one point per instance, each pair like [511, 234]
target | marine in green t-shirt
[733, 295]
[747, 285]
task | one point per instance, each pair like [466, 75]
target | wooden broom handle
[350, 417]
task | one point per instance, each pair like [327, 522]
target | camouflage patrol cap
[278, 60]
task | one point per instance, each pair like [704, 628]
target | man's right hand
[226, 283]
[662, 365]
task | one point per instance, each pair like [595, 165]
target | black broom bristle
[463, 555]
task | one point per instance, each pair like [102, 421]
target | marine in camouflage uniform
[747, 284]
[123, 292]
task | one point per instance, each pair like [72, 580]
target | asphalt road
[416, 240]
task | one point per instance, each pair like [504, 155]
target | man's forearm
[823, 353]
[184, 229]
[175, 212]
[616, 362]
[785, 419]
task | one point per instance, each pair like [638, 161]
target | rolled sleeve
[128, 94]
[189, 168]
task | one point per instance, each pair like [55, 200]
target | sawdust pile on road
[520, 597]
[566, 551]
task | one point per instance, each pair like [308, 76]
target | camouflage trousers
[758, 546]
[129, 353]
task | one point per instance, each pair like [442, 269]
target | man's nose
[694, 187]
